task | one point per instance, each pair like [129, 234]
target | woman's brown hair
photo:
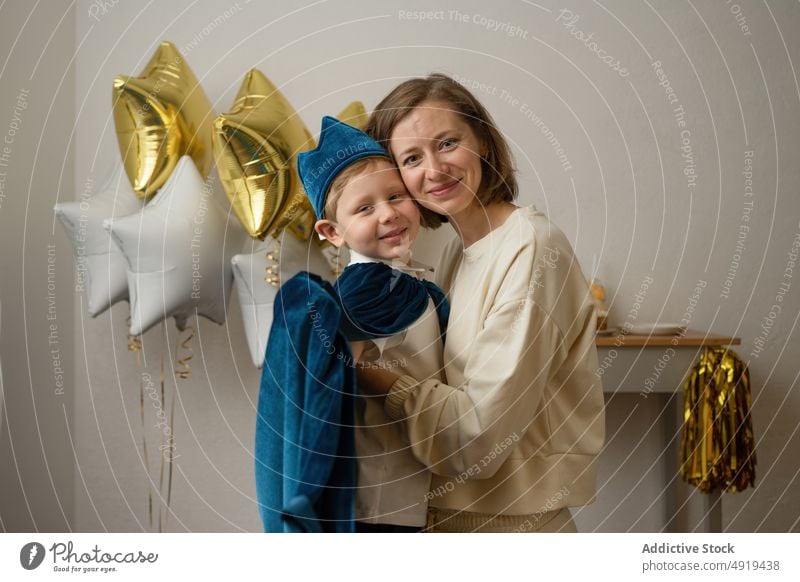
[498, 182]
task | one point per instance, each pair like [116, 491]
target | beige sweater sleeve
[452, 428]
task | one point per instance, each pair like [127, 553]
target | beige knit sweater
[519, 425]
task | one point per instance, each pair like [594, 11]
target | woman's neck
[476, 221]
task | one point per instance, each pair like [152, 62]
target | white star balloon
[258, 276]
[178, 262]
[101, 266]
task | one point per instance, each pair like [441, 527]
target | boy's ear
[330, 231]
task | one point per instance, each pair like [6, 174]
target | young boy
[363, 205]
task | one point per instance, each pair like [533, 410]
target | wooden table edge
[690, 338]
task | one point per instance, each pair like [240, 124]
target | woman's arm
[453, 428]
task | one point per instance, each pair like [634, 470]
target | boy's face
[375, 215]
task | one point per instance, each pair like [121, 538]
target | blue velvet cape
[305, 462]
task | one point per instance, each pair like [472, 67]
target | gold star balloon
[161, 115]
[355, 115]
[255, 146]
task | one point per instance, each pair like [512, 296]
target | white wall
[37, 106]
[619, 191]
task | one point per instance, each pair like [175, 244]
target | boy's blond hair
[342, 180]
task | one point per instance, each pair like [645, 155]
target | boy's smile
[375, 215]
[394, 235]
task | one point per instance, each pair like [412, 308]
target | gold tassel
[717, 445]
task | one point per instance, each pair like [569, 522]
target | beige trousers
[450, 521]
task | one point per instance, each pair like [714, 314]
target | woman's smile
[444, 189]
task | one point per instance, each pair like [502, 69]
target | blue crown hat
[339, 146]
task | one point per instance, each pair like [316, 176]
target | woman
[513, 436]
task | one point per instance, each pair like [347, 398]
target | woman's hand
[375, 381]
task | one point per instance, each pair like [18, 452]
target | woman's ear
[329, 230]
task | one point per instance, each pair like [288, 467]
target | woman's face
[439, 157]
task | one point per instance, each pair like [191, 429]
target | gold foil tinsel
[717, 445]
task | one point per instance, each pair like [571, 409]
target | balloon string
[161, 470]
[182, 369]
[170, 451]
[135, 346]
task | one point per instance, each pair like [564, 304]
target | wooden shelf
[690, 339]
